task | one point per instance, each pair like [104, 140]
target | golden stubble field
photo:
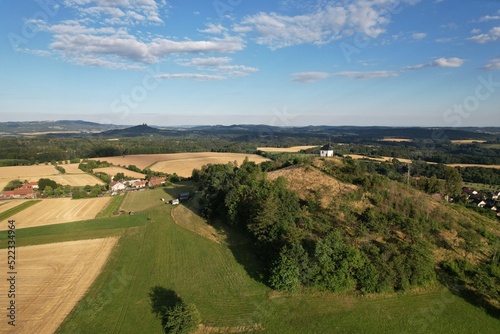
[58, 211]
[184, 164]
[293, 149]
[73, 177]
[180, 163]
[50, 280]
[112, 171]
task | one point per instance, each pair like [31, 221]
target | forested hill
[379, 236]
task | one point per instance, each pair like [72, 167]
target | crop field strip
[292, 149]
[57, 211]
[52, 278]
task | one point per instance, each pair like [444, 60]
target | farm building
[156, 181]
[117, 186]
[184, 196]
[27, 190]
[326, 151]
[174, 201]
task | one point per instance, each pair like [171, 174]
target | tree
[14, 184]
[285, 274]
[181, 319]
[119, 176]
[42, 183]
[453, 181]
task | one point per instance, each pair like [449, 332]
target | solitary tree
[453, 181]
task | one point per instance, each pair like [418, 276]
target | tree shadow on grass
[162, 299]
[460, 289]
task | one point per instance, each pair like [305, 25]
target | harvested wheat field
[140, 160]
[51, 279]
[72, 169]
[73, 177]
[397, 140]
[58, 211]
[9, 204]
[468, 141]
[306, 181]
[183, 163]
[30, 173]
[24, 172]
[74, 180]
[381, 159]
[146, 160]
[112, 171]
[292, 149]
[474, 165]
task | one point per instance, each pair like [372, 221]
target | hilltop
[310, 183]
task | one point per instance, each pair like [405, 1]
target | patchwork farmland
[180, 163]
[73, 177]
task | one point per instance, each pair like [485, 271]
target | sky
[280, 63]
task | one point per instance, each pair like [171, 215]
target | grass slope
[210, 276]
[113, 206]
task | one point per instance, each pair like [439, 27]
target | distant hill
[57, 127]
[135, 131]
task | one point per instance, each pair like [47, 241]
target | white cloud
[119, 12]
[74, 40]
[206, 62]
[490, 36]
[219, 65]
[475, 31]
[489, 18]
[196, 76]
[439, 62]
[419, 35]
[213, 29]
[354, 75]
[327, 23]
[309, 77]
[493, 65]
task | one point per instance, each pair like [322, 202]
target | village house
[326, 151]
[27, 190]
[156, 181]
[139, 184]
[116, 186]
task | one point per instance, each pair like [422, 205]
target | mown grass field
[153, 251]
[213, 277]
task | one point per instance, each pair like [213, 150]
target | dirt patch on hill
[190, 220]
[308, 182]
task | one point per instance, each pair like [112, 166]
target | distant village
[31, 190]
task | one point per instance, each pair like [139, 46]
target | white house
[326, 151]
[117, 186]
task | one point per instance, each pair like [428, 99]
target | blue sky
[283, 63]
